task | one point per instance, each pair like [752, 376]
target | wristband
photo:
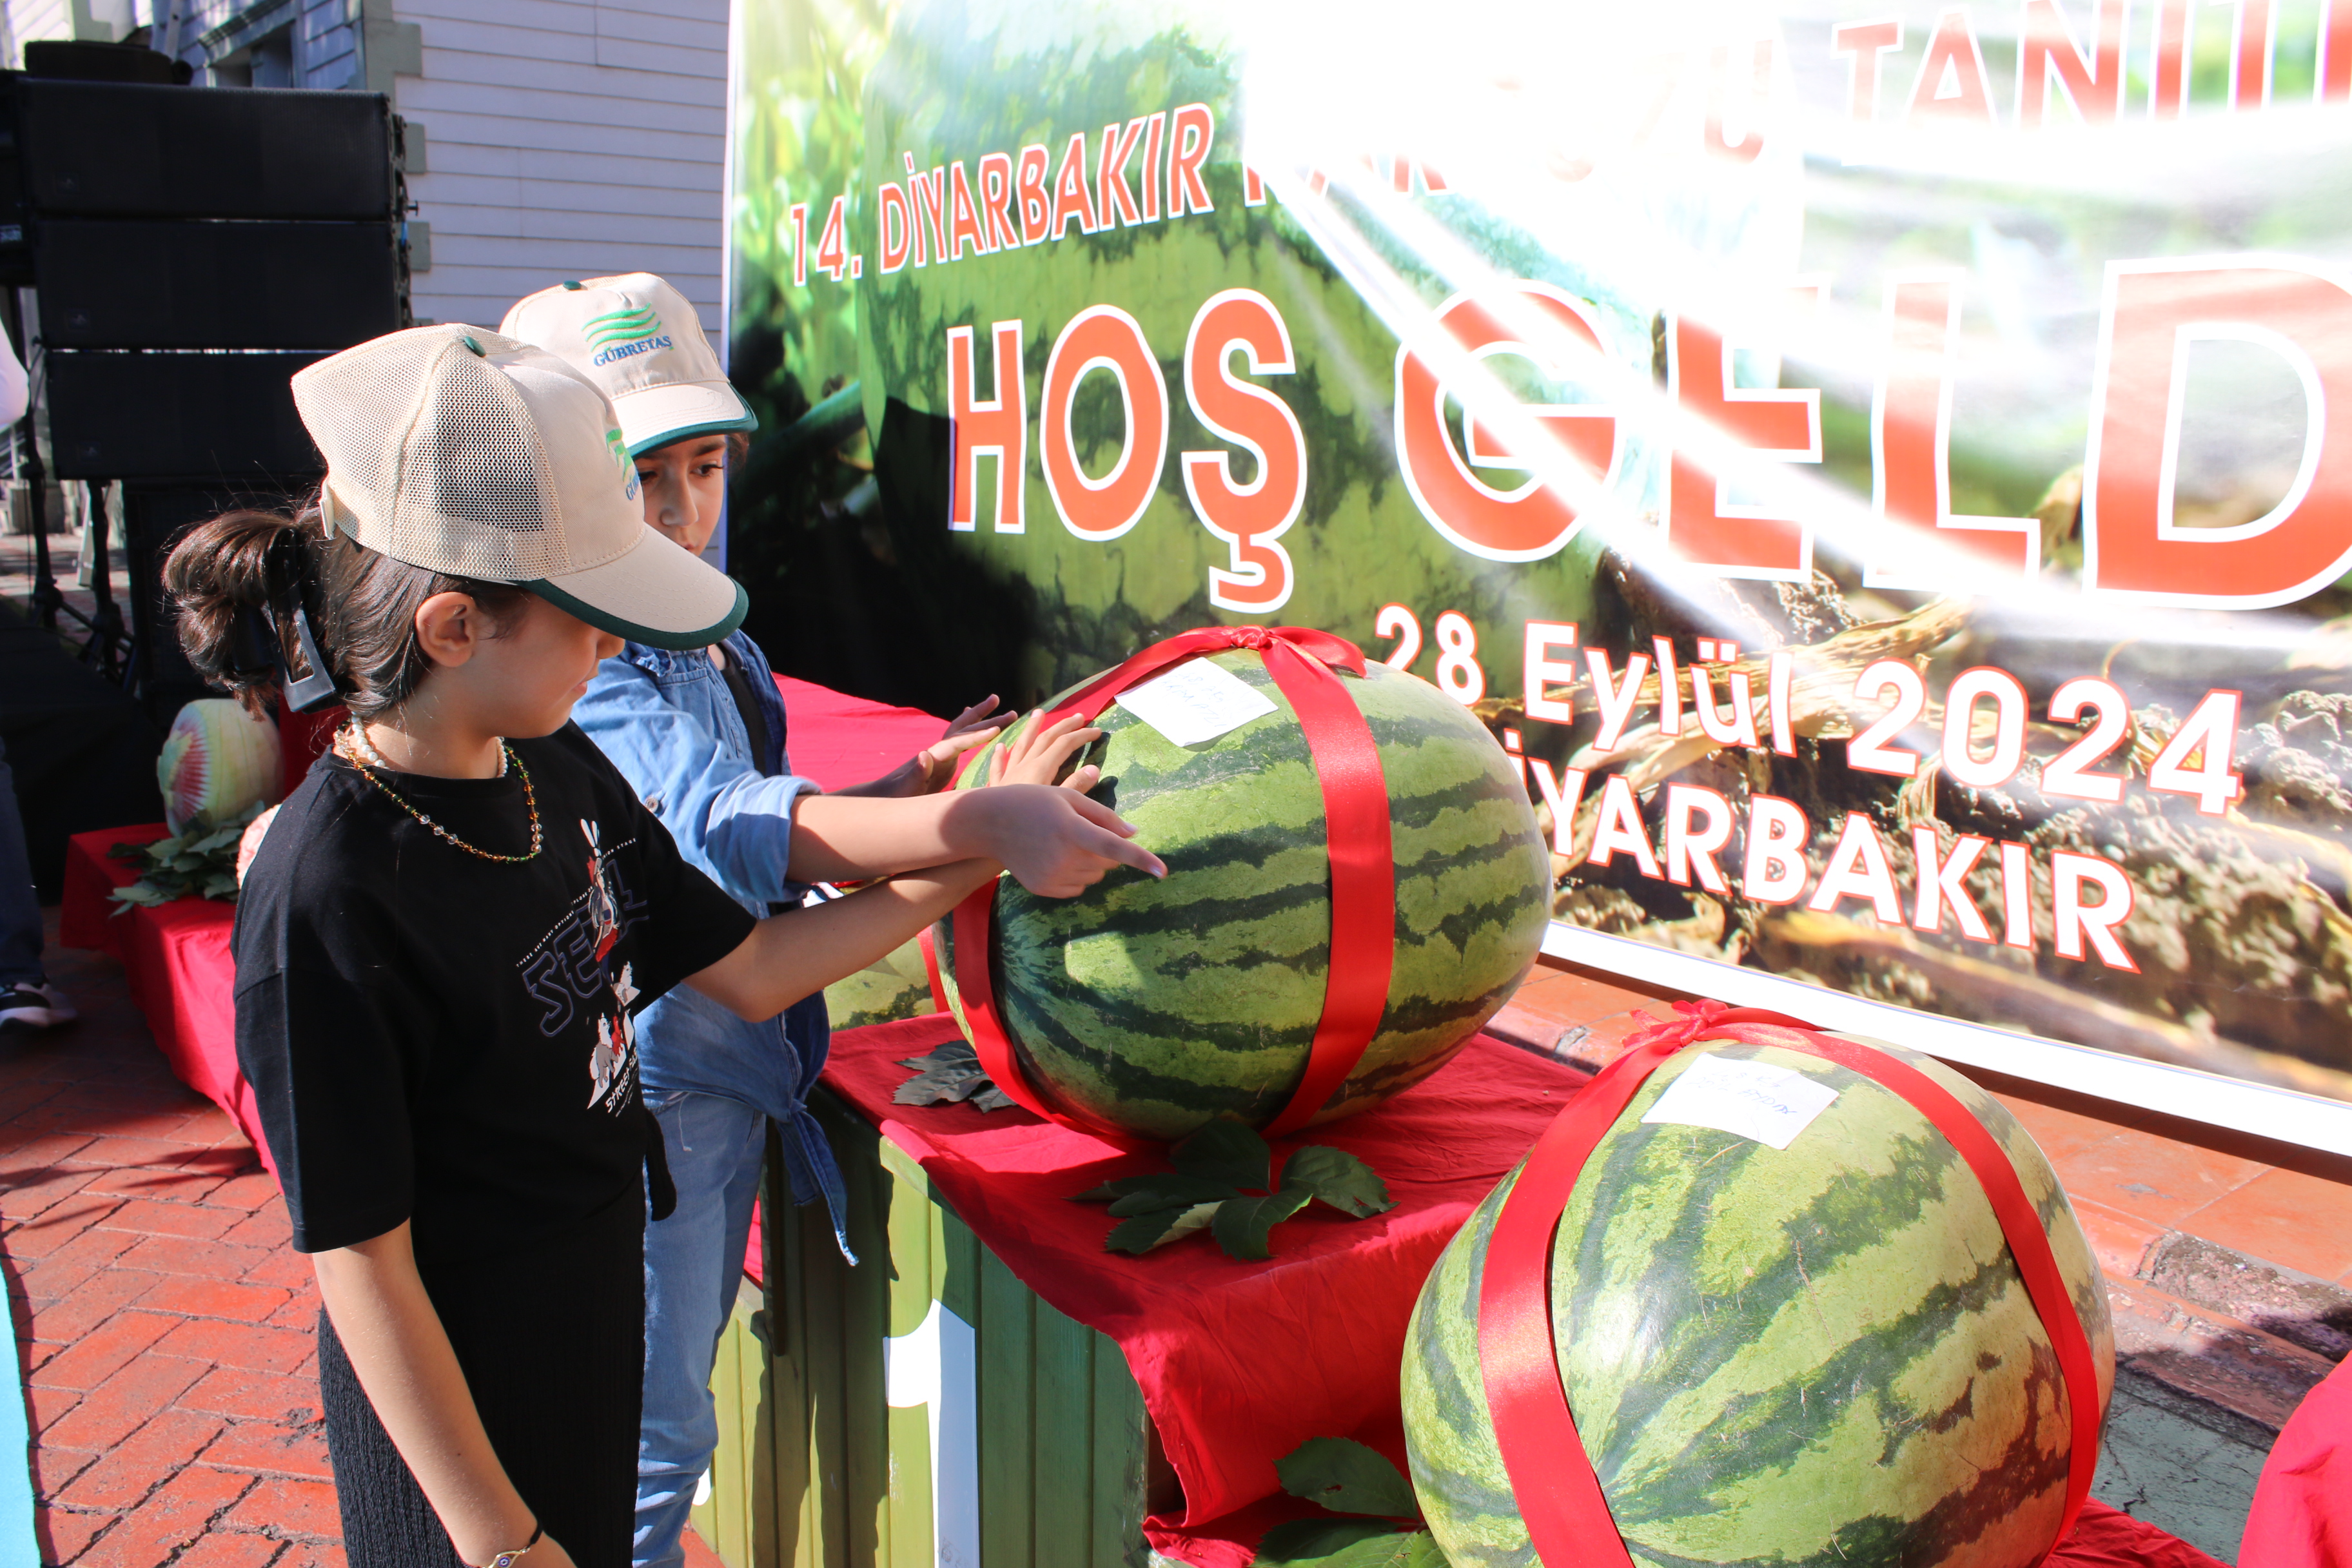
[509, 1559]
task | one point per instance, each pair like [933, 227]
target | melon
[218, 763]
[892, 987]
[1823, 1354]
[1149, 1008]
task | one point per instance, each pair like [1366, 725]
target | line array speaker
[168, 416]
[133, 284]
[93, 148]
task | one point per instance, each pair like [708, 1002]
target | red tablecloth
[2301, 1516]
[839, 740]
[1239, 1363]
[175, 960]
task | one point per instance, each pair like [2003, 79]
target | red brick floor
[165, 1330]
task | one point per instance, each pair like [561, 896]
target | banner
[1885, 469]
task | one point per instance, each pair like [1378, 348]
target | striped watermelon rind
[1822, 1355]
[1153, 1008]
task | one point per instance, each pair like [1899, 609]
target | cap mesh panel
[434, 450]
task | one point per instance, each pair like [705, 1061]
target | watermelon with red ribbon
[1763, 1295]
[1355, 884]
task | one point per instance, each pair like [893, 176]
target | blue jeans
[694, 1262]
[20, 907]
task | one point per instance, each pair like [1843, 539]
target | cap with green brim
[469, 453]
[639, 340]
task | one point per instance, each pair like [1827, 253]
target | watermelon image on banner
[1151, 1007]
[1820, 1354]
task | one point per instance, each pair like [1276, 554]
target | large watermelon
[1819, 1355]
[1154, 1006]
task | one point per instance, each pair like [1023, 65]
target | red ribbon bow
[1560, 1497]
[1302, 662]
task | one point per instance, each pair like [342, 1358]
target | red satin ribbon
[1363, 862]
[1567, 1514]
[931, 969]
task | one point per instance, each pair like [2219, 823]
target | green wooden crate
[924, 1407]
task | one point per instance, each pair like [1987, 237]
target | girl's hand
[975, 726]
[546, 1554]
[1055, 842]
[1037, 755]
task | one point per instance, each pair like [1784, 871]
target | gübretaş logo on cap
[624, 334]
[618, 446]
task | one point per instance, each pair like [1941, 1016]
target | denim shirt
[669, 723]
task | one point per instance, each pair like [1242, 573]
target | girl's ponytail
[238, 581]
[231, 580]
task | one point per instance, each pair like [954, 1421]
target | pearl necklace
[352, 742]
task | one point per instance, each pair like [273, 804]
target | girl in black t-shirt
[444, 941]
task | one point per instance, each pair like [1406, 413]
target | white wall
[30, 21]
[567, 139]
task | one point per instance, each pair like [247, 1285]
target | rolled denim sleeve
[727, 818]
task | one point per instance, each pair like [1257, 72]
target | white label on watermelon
[1196, 701]
[1754, 1100]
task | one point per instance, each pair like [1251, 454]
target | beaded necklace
[352, 742]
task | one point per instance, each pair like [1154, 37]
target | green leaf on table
[1226, 1152]
[1339, 1179]
[1169, 1191]
[1243, 1223]
[1146, 1231]
[1346, 1477]
[950, 1076]
[1412, 1549]
[1304, 1541]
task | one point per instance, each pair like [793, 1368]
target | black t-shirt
[436, 1037]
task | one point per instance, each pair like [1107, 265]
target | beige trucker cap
[462, 451]
[638, 339]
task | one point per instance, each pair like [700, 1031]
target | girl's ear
[450, 628]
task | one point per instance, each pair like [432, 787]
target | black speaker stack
[189, 250]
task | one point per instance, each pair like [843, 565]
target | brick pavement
[165, 1330]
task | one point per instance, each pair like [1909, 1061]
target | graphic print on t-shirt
[616, 1040]
[603, 909]
[568, 970]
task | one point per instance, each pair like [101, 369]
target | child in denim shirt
[701, 736]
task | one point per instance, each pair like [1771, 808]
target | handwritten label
[1754, 1100]
[1196, 701]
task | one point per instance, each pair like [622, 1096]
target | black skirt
[552, 1347]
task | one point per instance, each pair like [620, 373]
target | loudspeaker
[213, 419]
[120, 149]
[129, 284]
